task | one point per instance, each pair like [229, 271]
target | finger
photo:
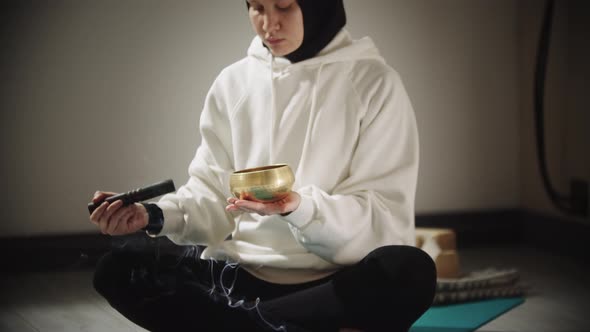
[101, 196]
[108, 215]
[98, 196]
[112, 208]
[103, 224]
[138, 220]
[253, 207]
[111, 225]
[98, 212]
[243, 209]
[95, 215]
[231, 208]
[234, 208]
[120, 212]
[231, 200]
[118, 219]
[120, 224]
[256, 206]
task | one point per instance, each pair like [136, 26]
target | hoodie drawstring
[272, 113]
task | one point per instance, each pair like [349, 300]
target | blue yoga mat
[464, 317]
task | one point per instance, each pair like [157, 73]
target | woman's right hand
[116, 219]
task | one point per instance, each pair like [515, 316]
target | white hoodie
[343, 121]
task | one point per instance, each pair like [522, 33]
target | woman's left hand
[283, 207]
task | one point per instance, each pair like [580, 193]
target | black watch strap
[155, 219]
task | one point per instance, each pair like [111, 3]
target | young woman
[338, 252]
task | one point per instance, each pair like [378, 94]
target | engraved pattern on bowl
[262, 184]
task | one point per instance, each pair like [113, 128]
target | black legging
[386, 291]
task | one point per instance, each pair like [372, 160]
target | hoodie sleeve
[195, 213]
[374, 205]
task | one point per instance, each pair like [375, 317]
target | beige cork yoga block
[441, 245]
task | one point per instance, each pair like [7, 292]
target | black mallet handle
[138, 195]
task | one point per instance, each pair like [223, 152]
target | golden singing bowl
[262, 184]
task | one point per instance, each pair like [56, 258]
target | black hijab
[322, 20]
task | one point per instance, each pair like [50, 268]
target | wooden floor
[65, 301]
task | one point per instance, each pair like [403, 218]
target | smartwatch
[155, 219]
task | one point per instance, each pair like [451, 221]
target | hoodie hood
[322, 20]
[341, 48]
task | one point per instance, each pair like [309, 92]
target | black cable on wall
[577, 202]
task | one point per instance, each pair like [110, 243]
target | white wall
[107, 95]
[458, 60]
